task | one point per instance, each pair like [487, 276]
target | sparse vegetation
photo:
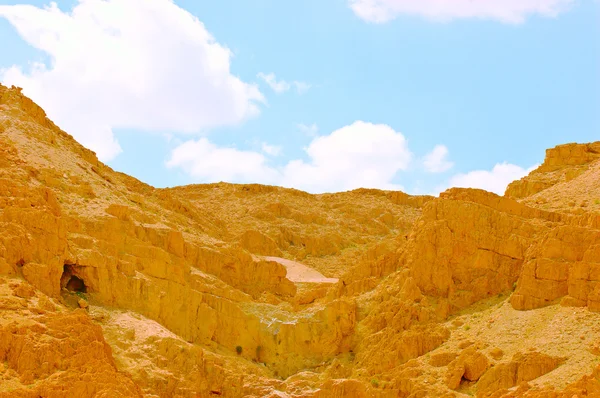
[467, 327]
[238, 349]
[375, 383]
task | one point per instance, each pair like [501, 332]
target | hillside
[112, 288]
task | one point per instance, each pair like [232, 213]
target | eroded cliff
[112, 288]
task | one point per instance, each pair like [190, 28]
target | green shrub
[238, 349]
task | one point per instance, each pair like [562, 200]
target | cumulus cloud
[281, 86]
[206, 162]
[436, 161]
[495, 180]
[143, 64]
[507, 11]
[359, 155]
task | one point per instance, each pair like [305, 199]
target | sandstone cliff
[112, 288]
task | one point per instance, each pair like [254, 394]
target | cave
[72, 282]
[76, 284]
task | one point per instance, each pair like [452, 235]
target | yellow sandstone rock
[259, 291]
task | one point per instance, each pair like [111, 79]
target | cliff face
[564, 182]
[249, 290]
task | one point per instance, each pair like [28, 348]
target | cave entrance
[75, 284]
[72, 282]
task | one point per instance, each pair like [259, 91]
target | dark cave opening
[76, 284]
[72, 282]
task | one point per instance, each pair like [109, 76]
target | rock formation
[112, 288]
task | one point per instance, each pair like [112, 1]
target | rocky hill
[112, 288]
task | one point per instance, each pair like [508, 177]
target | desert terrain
[112, 288]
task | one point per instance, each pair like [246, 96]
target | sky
[322, 96]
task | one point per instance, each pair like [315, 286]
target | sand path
[297, 272]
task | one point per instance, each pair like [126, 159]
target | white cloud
[207, 162]
[281, 86]
[507, 11]
[310, 130]
[436, 161]
[143, 64]
[359, 155]
[272, 150]
[495, 180]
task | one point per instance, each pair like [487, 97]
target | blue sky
[380, 93]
